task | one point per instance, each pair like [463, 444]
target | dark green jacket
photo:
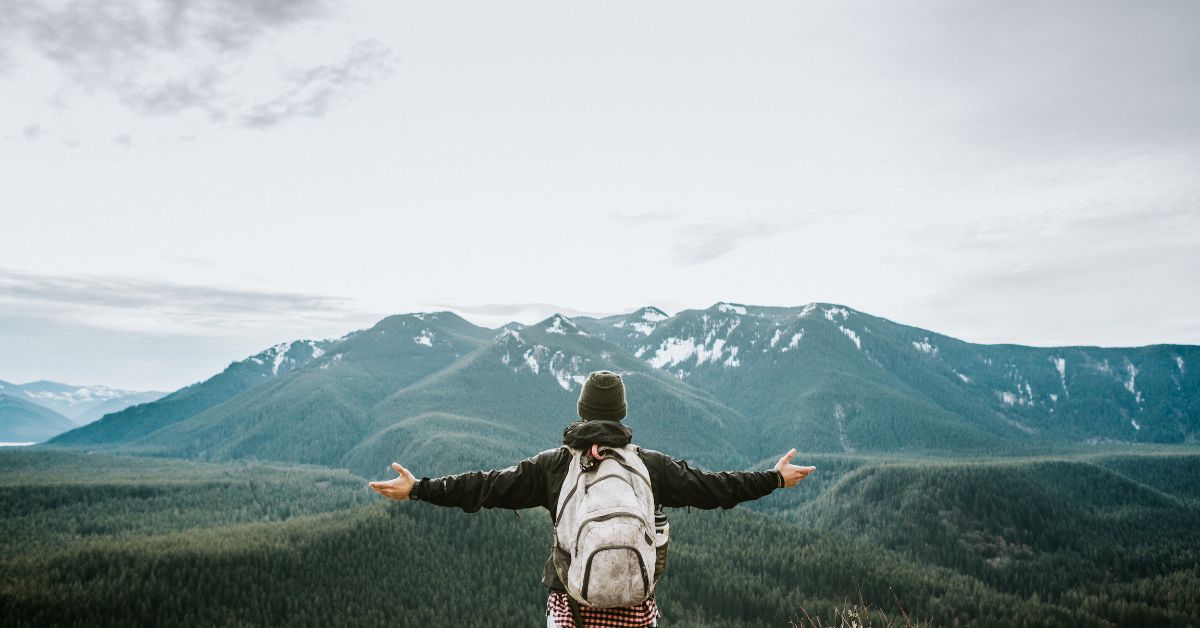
[535, 481]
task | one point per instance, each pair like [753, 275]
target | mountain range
[729, 385]
[59, 407]
[22, 421]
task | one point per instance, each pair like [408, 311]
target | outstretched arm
[519, 486]
[676, 483]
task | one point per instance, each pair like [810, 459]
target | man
[536, 481]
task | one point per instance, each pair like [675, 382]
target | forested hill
[118, 541]
[728, 385]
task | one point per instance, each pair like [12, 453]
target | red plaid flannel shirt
[644, 614]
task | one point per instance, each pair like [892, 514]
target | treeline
[104, 541]
[1071, 532]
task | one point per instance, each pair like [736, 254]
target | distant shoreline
[16, 444]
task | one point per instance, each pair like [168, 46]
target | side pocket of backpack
[562, 563]
[660, 560]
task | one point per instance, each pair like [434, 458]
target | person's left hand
[398, 487]
[792, 474]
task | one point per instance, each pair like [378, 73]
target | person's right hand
[398, 487]
[792, 474]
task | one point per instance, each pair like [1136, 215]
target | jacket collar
[582, 434]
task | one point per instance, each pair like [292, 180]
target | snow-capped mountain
[78, 403]
[726, 383]
[624, 329]
[772, 361]
[137, 420]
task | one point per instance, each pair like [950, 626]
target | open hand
[398, 487]
[792, 474]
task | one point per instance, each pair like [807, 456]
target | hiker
[611, 474]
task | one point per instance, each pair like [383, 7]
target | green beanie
[602, 397]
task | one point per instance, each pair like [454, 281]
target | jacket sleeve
[675, 483]
[519, 486]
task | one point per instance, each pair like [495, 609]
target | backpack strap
[576, 614]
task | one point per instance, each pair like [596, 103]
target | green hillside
[130, 541]
[317, 414]
[1070, 530]
[522, 389]
[137, 421]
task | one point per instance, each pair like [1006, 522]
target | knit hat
[602, 397]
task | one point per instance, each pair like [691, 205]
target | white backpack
[604, 532]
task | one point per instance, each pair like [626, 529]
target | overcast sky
[184, 183]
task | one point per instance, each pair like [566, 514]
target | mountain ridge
[22, 421]
[724, 385]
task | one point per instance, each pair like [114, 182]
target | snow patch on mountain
[732, 360]
[337, 357]
[672, 351]
[706, 355]
[510, 335]
[794, 342]
[316, 351]
[774, 339]
[556, 327]
[1179, 364]
[1023, 396]
[567, 370]
[852, 336]
[830, 312]
[532, 356]
[964, 378]
[839, 416]
[1131, 382]
[653, 315]
[279, 352]
[806, 310]
[732, 308]
[426, 338]
[1060, 365]
[925, 347]
[642, 328]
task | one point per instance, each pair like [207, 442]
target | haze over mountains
[58, 407]
[727, 385]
